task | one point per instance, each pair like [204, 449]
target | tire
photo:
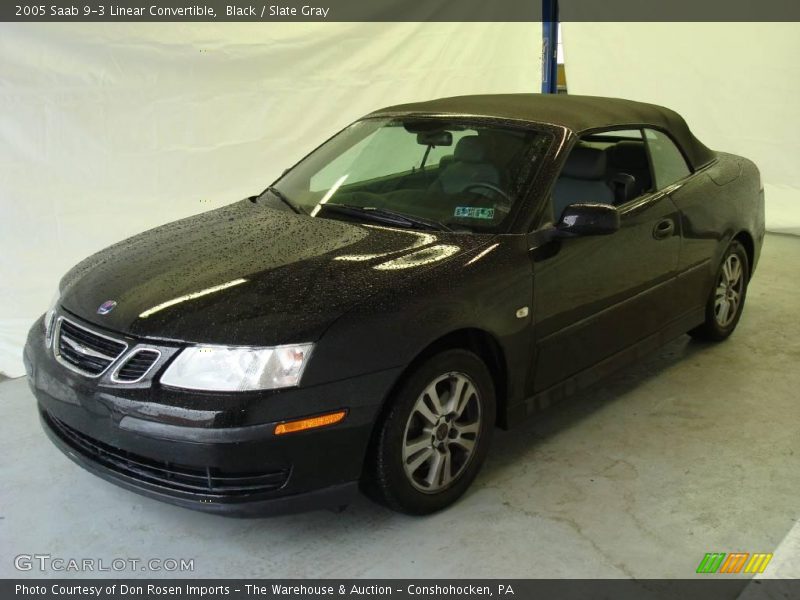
[726, 299]
[418, 439]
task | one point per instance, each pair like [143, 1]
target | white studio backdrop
[110, 129]
[736, 84]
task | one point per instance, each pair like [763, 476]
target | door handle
[664, 229]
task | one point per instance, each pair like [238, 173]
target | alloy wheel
[441, 433]
[728, 293]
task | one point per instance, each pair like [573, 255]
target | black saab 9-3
[431, 272]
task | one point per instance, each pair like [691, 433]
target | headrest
[629, 154]
[469, 149]
[585, 162]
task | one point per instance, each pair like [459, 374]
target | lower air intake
[199, 480]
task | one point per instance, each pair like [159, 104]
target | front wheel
[726, 301]
[435, 435]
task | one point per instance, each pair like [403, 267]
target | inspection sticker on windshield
[474, 212]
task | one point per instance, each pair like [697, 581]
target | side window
[668, 163]
[626, 134]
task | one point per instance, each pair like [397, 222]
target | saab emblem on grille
[106, 307]
[78, 347]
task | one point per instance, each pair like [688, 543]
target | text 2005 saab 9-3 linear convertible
[430, 272]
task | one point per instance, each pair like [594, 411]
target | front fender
[482, 289]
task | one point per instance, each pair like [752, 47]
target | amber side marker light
[309, 423]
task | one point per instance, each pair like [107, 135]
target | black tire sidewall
[390, 478]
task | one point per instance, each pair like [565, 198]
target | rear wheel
[726, 300]
[435, 435]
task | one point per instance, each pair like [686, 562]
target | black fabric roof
[578, 113]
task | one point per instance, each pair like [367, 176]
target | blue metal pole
[549, 46]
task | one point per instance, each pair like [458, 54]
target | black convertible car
[431, 272]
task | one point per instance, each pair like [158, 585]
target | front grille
[136, 366]
[84, 350]
[205, 481]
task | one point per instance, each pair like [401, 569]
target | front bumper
[212, 452]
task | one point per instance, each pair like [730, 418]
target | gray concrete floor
[694, 450]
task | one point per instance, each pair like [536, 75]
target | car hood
[248, 274]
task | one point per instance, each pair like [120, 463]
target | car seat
[583, 179]
[469, 165]
[628, 161]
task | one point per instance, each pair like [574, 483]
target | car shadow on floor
[510, 446]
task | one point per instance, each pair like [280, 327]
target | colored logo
[106, 307]
[720, 562]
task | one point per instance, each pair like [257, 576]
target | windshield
[435, 173]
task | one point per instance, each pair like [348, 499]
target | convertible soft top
[581, 114]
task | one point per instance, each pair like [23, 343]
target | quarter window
[669, 165]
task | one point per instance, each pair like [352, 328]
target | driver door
[596, 295]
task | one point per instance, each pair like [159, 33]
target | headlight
[49, 317]
[233, 369]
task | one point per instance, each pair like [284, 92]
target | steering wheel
[488, 186]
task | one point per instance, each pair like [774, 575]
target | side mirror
[589, 219]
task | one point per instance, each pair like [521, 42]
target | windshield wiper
[421, 221]
[282, 197]
[386, 215]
